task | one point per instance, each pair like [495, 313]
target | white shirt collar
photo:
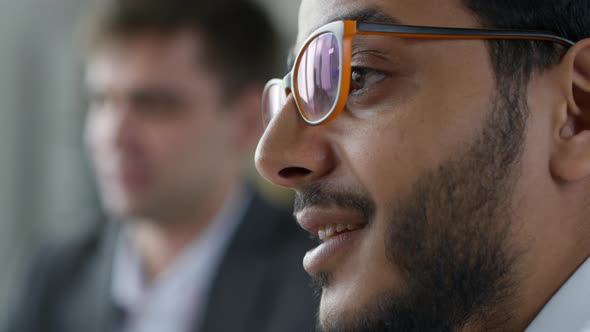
[164, 305]
[569, 309]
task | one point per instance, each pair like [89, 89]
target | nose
[291, 153]
[124, 129]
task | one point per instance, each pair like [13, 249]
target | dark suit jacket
[260, 285]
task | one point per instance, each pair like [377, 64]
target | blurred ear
[248, 118]
[570, 160]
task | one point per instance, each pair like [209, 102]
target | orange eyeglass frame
[345, 30]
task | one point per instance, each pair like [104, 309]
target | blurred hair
[514, 62]
[519, 59]
[240, 43]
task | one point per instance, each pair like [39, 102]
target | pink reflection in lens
[318, 77]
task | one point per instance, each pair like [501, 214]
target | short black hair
[240, 43]
[511, 59]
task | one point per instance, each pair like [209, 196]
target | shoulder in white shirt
[569, 309]
[176, 299]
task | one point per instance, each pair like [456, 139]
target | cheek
[386, 160]
[419, 128]
[187, 146]
[174, 146]
[98, 132]
[392, 156]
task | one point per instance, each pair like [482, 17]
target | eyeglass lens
[318, 77]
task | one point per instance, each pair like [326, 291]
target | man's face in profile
[413, 195]
[156, 128]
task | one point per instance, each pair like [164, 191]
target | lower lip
[330, 251]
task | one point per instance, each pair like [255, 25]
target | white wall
[44, 184]
[285, 15]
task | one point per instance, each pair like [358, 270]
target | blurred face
[410, 189]
[157, 130]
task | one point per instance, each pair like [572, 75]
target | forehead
[446, 13]
[184, 47]
[147, 56]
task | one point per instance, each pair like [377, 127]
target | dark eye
[364, 78]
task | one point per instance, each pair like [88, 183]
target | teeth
[326, 233]
[352, 227]
[330, 230]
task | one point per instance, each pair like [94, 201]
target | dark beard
[449, 238]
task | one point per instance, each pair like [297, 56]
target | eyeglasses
[321, 76]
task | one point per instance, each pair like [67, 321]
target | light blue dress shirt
[176, 300]
[569, 309]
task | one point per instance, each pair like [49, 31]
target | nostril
[292, 172]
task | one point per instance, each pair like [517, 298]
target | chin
[361, 304]
[124, 208]
[339, 317]
[341, 305]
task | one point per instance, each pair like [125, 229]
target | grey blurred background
[46, 187]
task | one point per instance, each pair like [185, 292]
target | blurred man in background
[174, 108]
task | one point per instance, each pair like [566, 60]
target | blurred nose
[124, 128]
[291, 153]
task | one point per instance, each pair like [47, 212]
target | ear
[571, 158]
[248, 118]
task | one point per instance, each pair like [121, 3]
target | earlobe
[571, 159]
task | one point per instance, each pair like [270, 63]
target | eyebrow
[367, 15]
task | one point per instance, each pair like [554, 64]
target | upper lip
[313, 219]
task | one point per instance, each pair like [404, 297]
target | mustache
[320, 195]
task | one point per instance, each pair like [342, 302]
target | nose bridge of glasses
[287, 83]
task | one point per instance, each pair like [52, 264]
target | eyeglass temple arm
[460, 33]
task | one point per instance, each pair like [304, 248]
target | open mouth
[326, 233]
[339, 232]
[335, 249]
